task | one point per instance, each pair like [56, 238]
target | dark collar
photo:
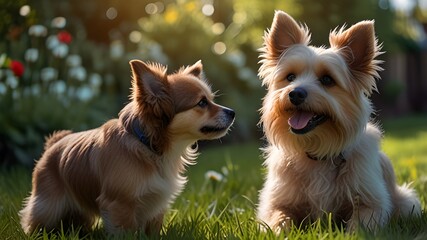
[137, 131]
[337, 161]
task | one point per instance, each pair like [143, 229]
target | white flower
[31, 55]
[58, 87]
[11, 80]
[48, 74]
[37, 31]
[214, 176]
[60, 51]
[52, 42]
[95, 80]
[78, 73]
[58, 22]
[84, 93]
[3, 88]
[74, 60]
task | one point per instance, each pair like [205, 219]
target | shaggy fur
[323, 154]
[109, 172]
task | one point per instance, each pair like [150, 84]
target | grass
[220, 199]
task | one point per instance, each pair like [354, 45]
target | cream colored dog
[324, 154]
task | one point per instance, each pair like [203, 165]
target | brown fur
[351, 178]
[109, 172]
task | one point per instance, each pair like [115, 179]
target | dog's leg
[155, 225]
[43, 210]
[48, 202]
[117, 216]
[370, 215]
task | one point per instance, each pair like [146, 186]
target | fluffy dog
[130, 169]
[323, 153]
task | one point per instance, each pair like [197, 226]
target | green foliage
[220, 199]
[44, 87]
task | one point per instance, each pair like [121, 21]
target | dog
[131, 168]
[323, 152]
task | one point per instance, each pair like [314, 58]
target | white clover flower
[31, 54]
[84, 93]
[74, 60]
[78, 73]
[48, 74]
[95, 80]
[52, 42]
[3, 88]
[11, 80]
[60, 51]
[58, 22]
[214, 176]
[37, 31]
[58, 87]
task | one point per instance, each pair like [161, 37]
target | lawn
[220, 198]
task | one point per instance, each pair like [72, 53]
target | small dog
[323, 154]
[130, 169]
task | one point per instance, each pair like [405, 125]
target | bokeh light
[111, 13]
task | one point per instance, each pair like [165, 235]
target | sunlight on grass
[220, 199]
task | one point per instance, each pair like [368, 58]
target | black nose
[229, 112]
[297, 96]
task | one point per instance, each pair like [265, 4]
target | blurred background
[64, 63]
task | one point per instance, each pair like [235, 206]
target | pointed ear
[195, 69]
[284, 32]
[357, 45]
[147, 78]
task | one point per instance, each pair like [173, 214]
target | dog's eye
[327, 81]
[291, 77]
[203, 103]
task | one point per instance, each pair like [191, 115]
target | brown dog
[130, 169]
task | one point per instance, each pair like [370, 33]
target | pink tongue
[300, 119]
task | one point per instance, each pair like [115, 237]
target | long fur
[359, 190]
[108, 172]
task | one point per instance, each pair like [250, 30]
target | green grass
[224, 208]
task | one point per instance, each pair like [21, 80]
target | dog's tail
[55, 137]
[407, 202]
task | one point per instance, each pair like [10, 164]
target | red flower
[17, 68]
[64, 37]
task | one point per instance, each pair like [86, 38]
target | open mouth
[208, 129]
[302, 122]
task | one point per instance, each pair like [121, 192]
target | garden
[64, 65]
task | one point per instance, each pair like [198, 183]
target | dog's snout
[229, 112]
[297, 96]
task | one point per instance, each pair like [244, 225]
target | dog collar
[141, 136]
[340, 159]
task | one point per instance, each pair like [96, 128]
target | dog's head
[317, 98]
[177, 107]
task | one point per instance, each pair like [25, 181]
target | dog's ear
[148, 79]
[284, 32]
[195, 69]
[359, 47]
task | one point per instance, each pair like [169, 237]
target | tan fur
[359, 190]
[109, 172]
